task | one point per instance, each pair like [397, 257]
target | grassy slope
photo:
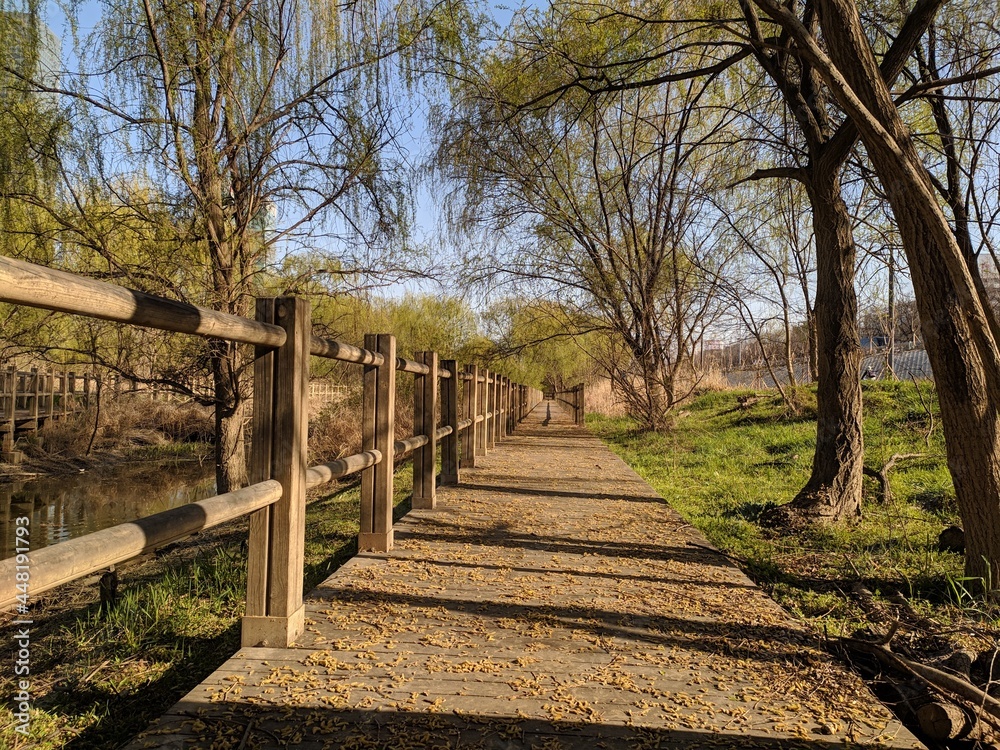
[97, 681]
[723, 465]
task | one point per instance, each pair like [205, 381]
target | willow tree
[601, 202]
[262, 124]
[31, 130]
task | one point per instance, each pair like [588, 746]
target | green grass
[98, 680]
[722, 466]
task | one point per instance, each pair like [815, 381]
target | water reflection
[64, 507]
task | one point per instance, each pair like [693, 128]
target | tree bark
[834, 488]
[231, 407]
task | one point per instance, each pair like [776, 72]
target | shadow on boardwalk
[553, 601]
[236, 725]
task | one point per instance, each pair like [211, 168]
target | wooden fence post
[506, 406]
[469, 440]
[512, 408]
[378, 433]
[7, 447]
[449, 415]
[425, 393]
[499, 408]
[491, 401]
[275, 567]
[482, 396]
[37, 387]
[50, 381]
[580, 404]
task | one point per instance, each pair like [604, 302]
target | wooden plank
[262, 426]
[449, 414]
[25, 283]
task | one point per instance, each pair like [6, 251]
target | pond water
[64, 507]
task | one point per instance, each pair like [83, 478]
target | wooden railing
[576, 401]
[478, 409]
[36, 393]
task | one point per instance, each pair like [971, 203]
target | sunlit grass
[722, 466]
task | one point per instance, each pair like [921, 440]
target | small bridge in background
[30, 399]
[539, 594]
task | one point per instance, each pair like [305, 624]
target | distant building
[31, 46]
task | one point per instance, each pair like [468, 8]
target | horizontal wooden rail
[490, 403]
[72, 559]
[410, 444]
[341, 467]
[338, 350]
[408, 365]
[37, 286]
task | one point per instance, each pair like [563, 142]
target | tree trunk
[813, 346]
[957, 333]
[833, 491]
[231, 408]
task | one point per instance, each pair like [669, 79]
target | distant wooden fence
[576, 400]
[477, 408]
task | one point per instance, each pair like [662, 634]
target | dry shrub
[601, 399]
[65, 437]
[132, 419]
[712, 380]
[128, 420]
[336, 430]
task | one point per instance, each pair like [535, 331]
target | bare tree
[608, 214]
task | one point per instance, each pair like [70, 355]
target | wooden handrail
[75, 558]
[410, 444]
[283, 340]
[341, 467]
[338, 350]
[37, 286]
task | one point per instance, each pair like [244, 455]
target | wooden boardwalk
[551, 601]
